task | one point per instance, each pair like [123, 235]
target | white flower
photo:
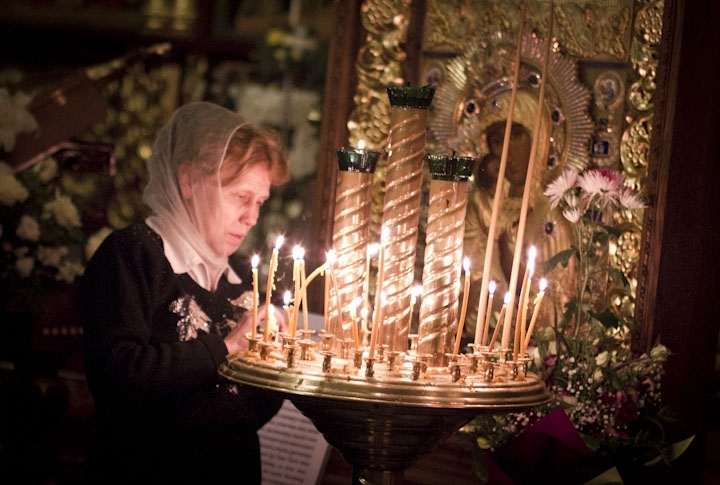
[64, 211]
[559, 187]
[602, 358]
[95, 240]
[659, 352]
[11, 190]
[24, 266]
[68, 271]
[28, 229]
[534, 354]
[597, 376]
[46, 169]
[51, 256]
[572, 214]
[14, 117]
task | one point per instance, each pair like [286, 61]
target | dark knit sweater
[153, 344]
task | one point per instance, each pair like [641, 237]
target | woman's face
[240, 202]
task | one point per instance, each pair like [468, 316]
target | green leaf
[612, 230]
[608, 476]
[607, 318]
[601, 238]
[618, 277]
[672, 452]
[562, 258]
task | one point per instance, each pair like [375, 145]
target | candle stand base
[383, 424]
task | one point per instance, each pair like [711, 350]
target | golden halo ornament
[468, 84]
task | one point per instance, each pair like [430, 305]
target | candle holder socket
[357, 358]
[455, 370]
[413, 338]
[488, 370]
[265, 348]
[290, 356]
[252, 343]
[369, 367]
[392, 356]
[305, 346]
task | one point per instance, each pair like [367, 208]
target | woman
[160, 308]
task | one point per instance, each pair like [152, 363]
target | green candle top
[450, 168]
[411, 96]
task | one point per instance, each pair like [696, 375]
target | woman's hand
[236, 340]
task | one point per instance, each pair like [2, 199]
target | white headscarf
[197, 135]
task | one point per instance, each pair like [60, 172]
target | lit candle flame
[492, 285]
[542, 284]
[279, 241]
[536, 311]
[416, 291]
[372, 250]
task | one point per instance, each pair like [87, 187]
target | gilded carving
[139, 102]
[379, 65]
[620, 33]
[635, 144]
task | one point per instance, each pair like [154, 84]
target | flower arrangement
[42, 240]
[14, 118]
[294, 55]
[607, 390]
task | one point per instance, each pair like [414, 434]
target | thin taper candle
[328, 281]
[305, 282]
[298, 255]
[497, 200]
[488, 313]
[416, 292]
[521, 317]
[256, 297]
[463, 312]
[371, 251]
[303, 298]
[542, 285]
[286, 307]
[498, 324]
[520, 237]
[271, 283]
[374, 334]
[353, 319]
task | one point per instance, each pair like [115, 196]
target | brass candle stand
[386, 405]
[384, 415]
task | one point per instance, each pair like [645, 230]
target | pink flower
[557, 189]
[629, 200]
[603, 184]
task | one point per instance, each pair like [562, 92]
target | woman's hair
[251, 145]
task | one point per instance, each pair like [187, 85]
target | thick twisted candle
[443, 254]
[350, 236]
[401, 207]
